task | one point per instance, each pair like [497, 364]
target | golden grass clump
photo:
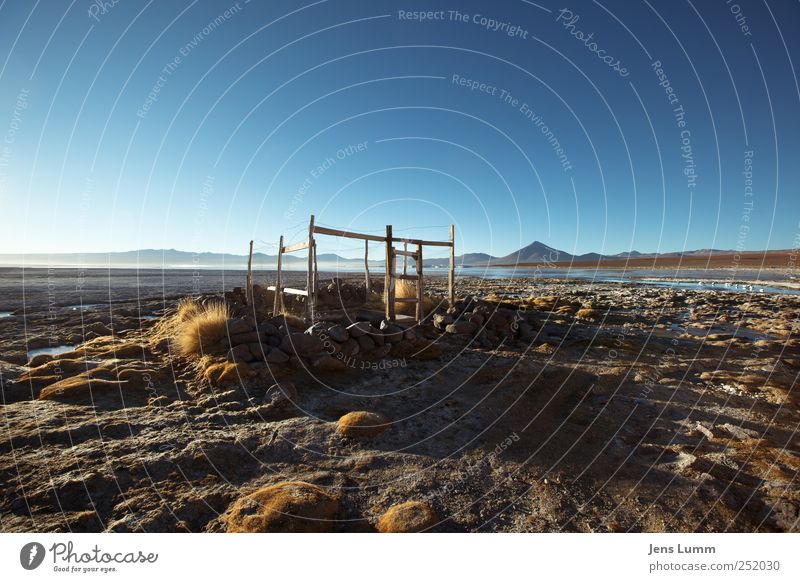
[287, 507]
[406, 290]
[200, 328]
[362, 424]
[408, 517]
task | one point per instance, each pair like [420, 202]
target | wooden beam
[407, 277]
[309, 273]
[411, 254]
[290, 291]
[366, 268]
[388, 291]
[346, 234]
[277, 305]
[429, 243]
[296, 247]
[405, 258]
[451, 274]
[405, 299]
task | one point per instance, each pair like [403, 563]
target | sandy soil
[627, 408]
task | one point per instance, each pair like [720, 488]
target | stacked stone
[488, 322]
[324, 345]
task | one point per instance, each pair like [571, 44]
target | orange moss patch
[288, 507]
[587, 313]
[362, 424]
[408, 517]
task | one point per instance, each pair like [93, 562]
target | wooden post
[420, 285]
[249, 285]
[277, 305]
[366, 268]
[309, 274]
[405, 259]
[451, 290]
[316, 274]
[388, 286]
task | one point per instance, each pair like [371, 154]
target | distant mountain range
[534, 253]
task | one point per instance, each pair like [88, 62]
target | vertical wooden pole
[451, 291]
[309, 274]
[420, 285]
[405, 259]
[277, 305]
[366, 268]
[249, 285]
[388, 290]
[316, 274]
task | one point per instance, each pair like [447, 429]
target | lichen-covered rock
[408, 517]
[362, 424]
[287, 507]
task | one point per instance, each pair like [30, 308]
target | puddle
[6, 314]
[149, 317]
[732, 330]
[53, 350]
[84, 307]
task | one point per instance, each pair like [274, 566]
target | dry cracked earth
[629, 408]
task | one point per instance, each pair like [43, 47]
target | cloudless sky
[201, 125]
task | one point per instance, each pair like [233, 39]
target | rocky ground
[543, 406]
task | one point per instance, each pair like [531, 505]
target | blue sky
[199, 126]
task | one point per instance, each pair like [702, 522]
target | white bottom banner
[398, 557]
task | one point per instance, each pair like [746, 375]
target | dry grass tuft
[200, 329]
[288, 507]
[408, 517]
[406, 290]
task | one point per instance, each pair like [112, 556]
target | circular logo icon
[31, 555]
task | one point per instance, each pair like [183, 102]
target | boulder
[240, 353]
[359, 329]
[276, 356]
[392, 333]
[290, 506]
[240, 325]
[440, 320]
[461, 327]
[326, 363]
[338, 333]
[302, 344]
[365, 343]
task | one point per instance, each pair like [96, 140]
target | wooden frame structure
[390, 278]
